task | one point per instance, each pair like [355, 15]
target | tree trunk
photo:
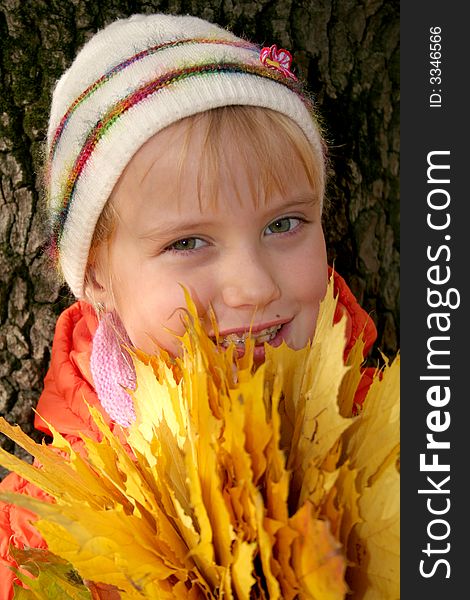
[346, 49]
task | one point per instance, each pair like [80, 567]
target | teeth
[265, 335]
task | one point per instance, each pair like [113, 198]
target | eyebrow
[173, 229]
[301, 200]
[180, 228]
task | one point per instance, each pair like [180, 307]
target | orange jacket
[68, 383]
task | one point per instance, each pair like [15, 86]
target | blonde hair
[261, 137]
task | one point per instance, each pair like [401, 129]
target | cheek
[152, 304]
[310, 283]
[308, 274]
[307, 299]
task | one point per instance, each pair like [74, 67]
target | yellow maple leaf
[374, 545]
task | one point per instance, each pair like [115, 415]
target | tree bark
[347, 50]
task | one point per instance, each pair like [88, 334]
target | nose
[249, 280]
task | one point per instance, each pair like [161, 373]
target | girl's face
[259, 262]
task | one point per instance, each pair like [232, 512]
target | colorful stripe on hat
[128, 62]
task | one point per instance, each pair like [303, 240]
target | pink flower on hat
[280, 60]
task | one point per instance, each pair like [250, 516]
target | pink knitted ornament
[112, 369]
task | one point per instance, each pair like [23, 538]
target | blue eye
[283, 225]
[186, 244]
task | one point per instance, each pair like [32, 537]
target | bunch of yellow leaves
[234, 482]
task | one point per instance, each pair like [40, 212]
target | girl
[179, 156]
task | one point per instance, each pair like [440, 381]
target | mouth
[258, 335]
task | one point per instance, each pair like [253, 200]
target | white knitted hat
[132, 79]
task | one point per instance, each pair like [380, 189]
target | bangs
[269, 145]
